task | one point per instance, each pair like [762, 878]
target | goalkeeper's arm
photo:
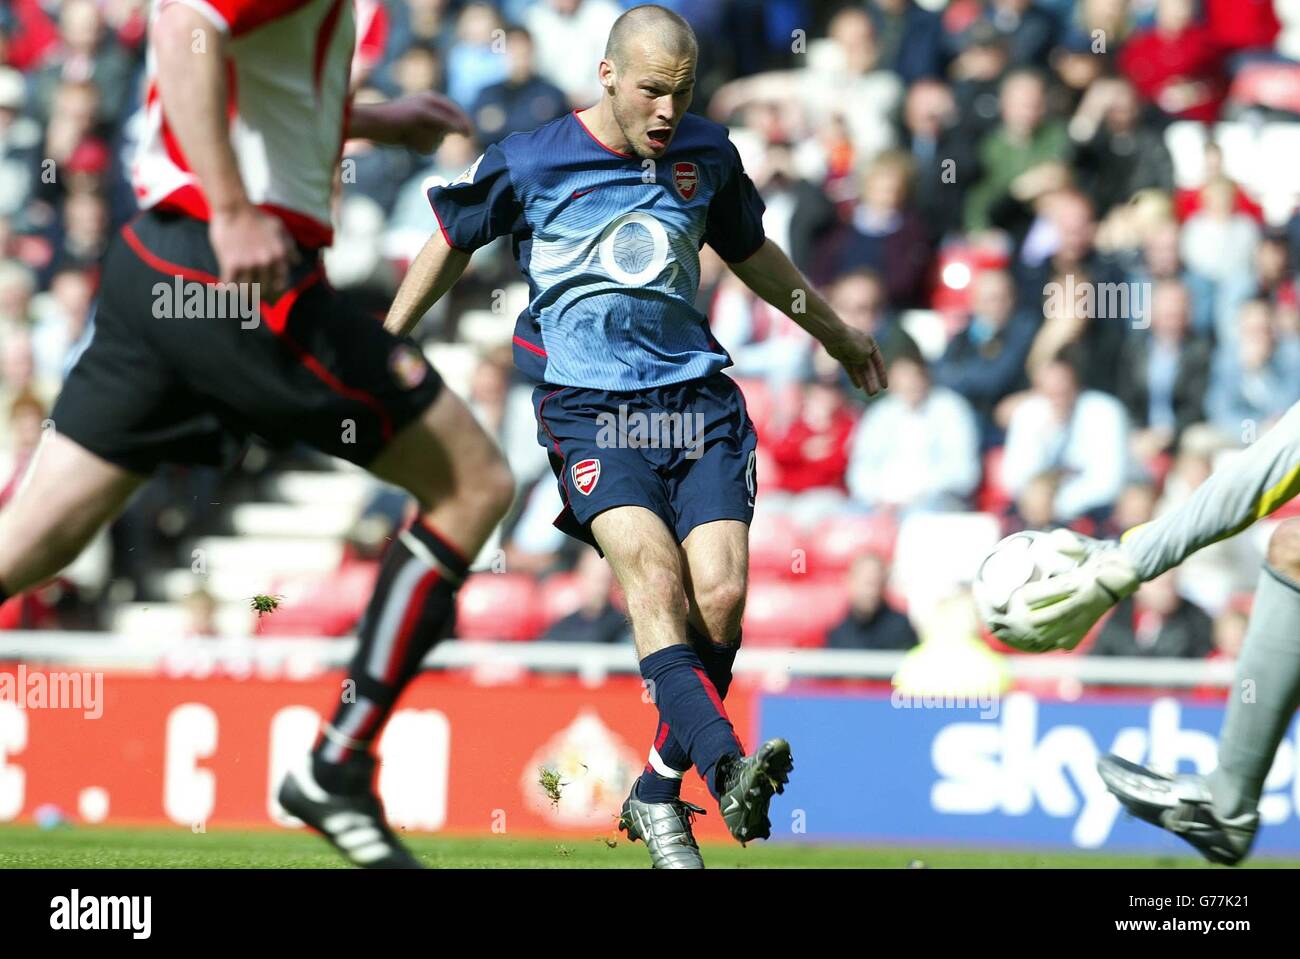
[1255, 483]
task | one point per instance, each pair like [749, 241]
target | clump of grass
[263, 604]
[550, 782]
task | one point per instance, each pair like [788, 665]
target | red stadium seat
[759, 401]
[992, 496]
[956, 267]
[796, 612]
[558, 596]
[838, 540]
[1275, 86]
[773, 539]
[327, 606]
[500, 606]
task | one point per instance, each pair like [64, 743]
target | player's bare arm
[419, 121]
[433, 272]
[251, 246]
[771, 275]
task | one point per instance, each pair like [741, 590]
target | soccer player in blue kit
[608, 208]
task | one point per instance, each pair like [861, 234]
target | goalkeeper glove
[1062, 608]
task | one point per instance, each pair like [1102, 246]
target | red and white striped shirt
[287, 76]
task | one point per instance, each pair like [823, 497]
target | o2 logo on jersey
[686, 178]
[586, 474]
[634, 249]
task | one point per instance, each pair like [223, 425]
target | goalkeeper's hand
[1062, 608]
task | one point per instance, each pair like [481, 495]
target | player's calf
[458, 474]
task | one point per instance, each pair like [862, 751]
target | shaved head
[653, 25]
[648, 75]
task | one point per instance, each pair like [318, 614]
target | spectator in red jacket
[1178, 65]
[812, 452]
[1242, 24]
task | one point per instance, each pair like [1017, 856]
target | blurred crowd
[1075, 334]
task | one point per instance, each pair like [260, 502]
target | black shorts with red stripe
[177, 370]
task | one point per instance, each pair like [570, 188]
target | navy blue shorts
[685, 452]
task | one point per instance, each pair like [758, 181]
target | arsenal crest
[686, 178]
[585, 475]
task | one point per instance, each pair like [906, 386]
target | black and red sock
[412, 608]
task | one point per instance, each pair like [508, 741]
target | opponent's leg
[715, 558]
[67, 496]
[464, 487]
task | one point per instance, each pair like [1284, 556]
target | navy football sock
[717, 660]
[690, 706]
[661, 781]
[413, 606]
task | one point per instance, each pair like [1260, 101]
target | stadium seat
[498, 606]
[956, 267]
[558, 596]
[773, 539]
[793, 613]
[758, 400]
[992, 496]
[838, 540]
[322, 606]
[938, 553]
[930, 331]
[1274, 86]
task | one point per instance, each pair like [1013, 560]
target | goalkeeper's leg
[1218, 814]
[1266, 692]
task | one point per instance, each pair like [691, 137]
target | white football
[1019, 559]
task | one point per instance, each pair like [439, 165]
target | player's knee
[722, 604]
[1284, 549]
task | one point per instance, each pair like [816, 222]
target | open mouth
[660, 138]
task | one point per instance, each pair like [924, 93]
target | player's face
[651, 94]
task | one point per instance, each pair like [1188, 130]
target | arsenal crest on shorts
[585, 475]
[686, 178]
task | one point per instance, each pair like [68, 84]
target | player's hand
[859, 354]
[1065, 606]
[255, 248]
[420, 121]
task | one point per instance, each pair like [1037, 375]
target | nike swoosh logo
[577, 194]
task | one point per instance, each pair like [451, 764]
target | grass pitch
[84, 847]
